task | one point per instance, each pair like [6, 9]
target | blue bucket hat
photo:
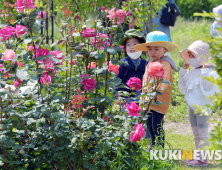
[156, 38]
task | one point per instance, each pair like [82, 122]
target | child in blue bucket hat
[157, 45]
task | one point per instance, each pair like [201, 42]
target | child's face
[130, 43]
[191, 55]
[156, 52]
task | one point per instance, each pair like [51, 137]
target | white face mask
[134, 55]
[194, 63]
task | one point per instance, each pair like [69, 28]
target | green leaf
[27, 40]
[10, 95]
[24, 55]
[88, 133]
[43, 91]
[157, 103]
[166, 82]
[15, 58]
[117, 81]
[124, 62]
[40, 121]
[112, 51]
[30, 121]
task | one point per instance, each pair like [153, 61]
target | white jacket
[195, 88]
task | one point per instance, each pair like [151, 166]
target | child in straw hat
[197, 90]
[157, 45]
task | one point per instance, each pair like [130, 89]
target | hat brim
[122, 40]
[170, 46]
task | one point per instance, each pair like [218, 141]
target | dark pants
[155, 127]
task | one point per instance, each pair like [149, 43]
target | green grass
[185, 32]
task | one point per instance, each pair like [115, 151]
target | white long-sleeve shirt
[195, 88]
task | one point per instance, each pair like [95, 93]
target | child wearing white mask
[196, 90]
[136, 65]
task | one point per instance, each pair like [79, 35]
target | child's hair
[124, 46]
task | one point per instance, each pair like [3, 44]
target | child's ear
[165, 49]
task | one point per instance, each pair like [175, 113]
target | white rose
[22, 75]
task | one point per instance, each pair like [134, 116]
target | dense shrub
[188, 7]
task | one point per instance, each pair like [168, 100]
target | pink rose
[103, 8]
[128, 14]
[47, 70]
[73, 62]
[20, 64]
[92, 65]
[31, 48]
[7, 33]
[118, 16]
[43, 13]
[8, 55]
[89, 33]
[22, 4]
[20, 30]
[134, 83]
[46, 80]
[55, 53]
[133, 109]
[16, 83]
[138, 133]
[88, 83]
[41, 52]
[155, 69]
[113, 68]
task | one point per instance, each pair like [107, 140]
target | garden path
[185, 128]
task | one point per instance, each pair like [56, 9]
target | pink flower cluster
[46, 80]
[88, 32]
[8, 32]
[138, 133]
[101, 41]
[133, 109]
[88, 83]
[134, 83]
[155, 69]
[22, 4]
[118, 16]
[20, 30]
[43, 13]
[48, 62]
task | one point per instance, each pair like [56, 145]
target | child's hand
[186, 66]
[205, 66]
[184, 54]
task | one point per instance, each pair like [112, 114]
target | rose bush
[56, 115]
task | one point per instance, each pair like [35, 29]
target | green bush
[188, 7]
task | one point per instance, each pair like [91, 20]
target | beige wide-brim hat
[157, 38]
[200, 50]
